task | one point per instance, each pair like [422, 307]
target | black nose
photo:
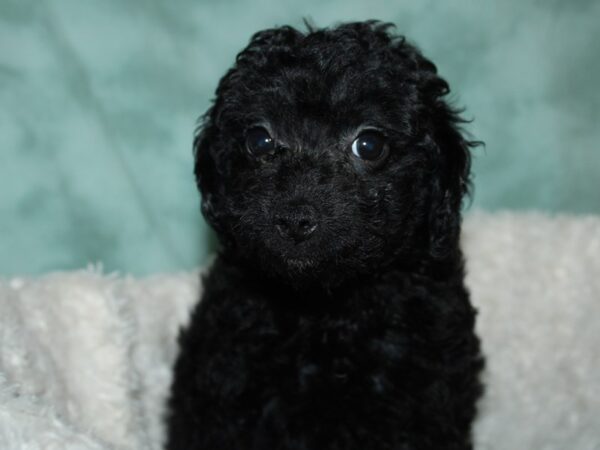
[297, 222]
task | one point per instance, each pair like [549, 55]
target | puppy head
[332, 154]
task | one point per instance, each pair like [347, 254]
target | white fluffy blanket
[85, 358]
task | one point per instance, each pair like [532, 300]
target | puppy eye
[259, 142]
[370, 145]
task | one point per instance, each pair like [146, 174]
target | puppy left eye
[370, 145]
[259, 142]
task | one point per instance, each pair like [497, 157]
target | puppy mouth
[296, 259]
[300, 264]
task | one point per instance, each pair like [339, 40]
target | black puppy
[335, 316]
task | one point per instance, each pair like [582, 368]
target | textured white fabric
[85, 358]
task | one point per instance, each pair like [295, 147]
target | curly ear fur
[452, 182]
[443, 134]
[205, 170]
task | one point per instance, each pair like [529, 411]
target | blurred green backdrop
[98, 102]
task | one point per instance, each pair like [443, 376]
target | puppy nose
[297, 222]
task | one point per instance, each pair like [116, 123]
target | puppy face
[331, 154]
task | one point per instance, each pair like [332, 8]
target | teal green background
[98, 101]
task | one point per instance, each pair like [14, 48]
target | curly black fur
[361, 336]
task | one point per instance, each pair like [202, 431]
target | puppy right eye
[259, 142]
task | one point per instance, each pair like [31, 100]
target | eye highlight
[259, 142]
[370, 145]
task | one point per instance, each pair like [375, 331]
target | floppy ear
[450, 150]
[451, 182]
[205, 169]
